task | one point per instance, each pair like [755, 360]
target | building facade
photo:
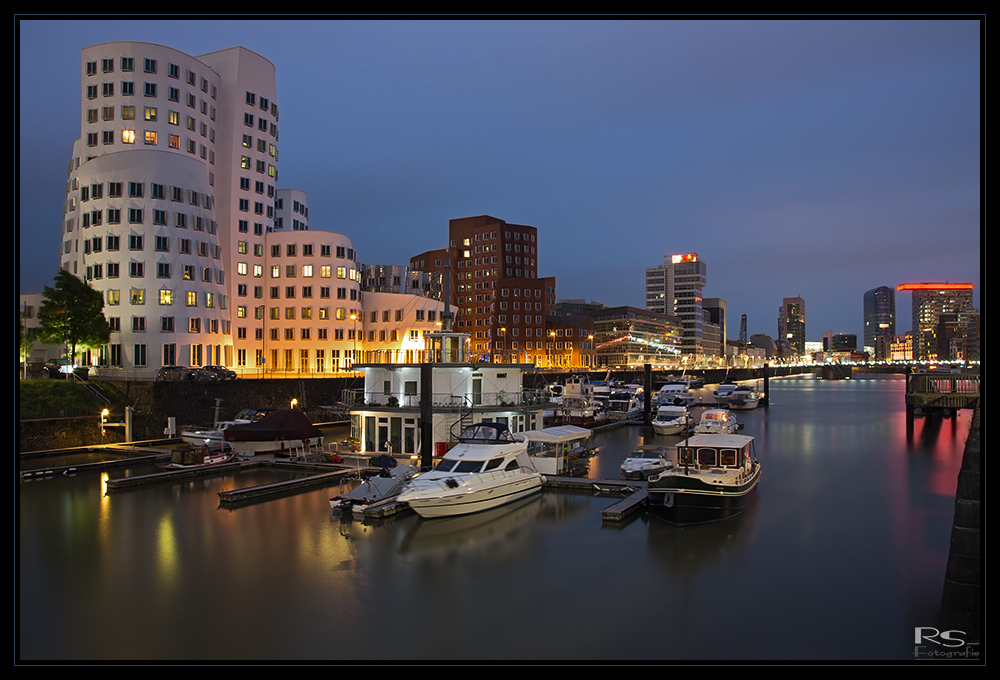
[632, 337]
[792, 327]
[930, 301]
[675, 289]
[173, 213]
[879, 321]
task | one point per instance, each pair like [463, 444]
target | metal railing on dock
[934, 390]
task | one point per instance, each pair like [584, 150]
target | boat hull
[644, 473]
[467, 500]
[210, 460]
[669, 428]
[682, 500]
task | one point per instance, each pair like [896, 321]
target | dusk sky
[811, 158]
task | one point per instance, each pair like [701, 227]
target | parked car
[221, 372]
[177, 373]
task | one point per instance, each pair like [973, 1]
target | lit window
[128, 136]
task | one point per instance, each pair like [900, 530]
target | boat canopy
[282, 423]
[486, 433]
[557, 435]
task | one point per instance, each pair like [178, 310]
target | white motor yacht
[717, 421]
[744, 398]
[487, 468]
[645, 461]
[671, 420]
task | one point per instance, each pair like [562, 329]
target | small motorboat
[671, 420]
[212, 436]
[191, 457]
[280, 431]
[385, 486]
[717, 421]
[645, 461]
[744, 398]
[675, 394]
[724, 391]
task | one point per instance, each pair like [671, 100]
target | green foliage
[72, 313]
[34, 395]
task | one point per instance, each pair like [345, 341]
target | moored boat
[671, 420]
[744, 398]
[385, 486]
[675, 393]
[645, 461]
[715, 477]
[212, 436]
[278, 432]
[724, 391]
[488, 467]
[192, 457]
[717, 421]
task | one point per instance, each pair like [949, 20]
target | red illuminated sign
[934, 286]
[690, 257]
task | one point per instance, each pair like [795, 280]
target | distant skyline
[808, 158]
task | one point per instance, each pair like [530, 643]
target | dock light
[104, 419]
[294, 402]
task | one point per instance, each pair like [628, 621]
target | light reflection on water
[840, 556]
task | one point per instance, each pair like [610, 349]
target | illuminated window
[166, 297]
[128, 136]
[150, 137]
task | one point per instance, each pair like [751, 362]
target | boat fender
[452, 484]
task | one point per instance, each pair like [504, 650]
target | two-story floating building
[418, 409]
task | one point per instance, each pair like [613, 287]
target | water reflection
[840, 555]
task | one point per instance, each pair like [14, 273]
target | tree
[73, 313]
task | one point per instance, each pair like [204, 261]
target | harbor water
[840, 557]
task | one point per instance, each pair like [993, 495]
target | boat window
[445, 465]
[727, 457]
[493, 464]
[686, 455]
[512, 465]
[707, 456]
[468, 466]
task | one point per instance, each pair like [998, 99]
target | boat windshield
[450, 465]
[486, 433]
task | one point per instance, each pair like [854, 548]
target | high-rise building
[930, 301]
[675, 289]
[792, 327]
[880, 321]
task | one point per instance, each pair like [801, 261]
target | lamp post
[503, 344]
[354, 335]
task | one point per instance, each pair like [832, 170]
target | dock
[326, 474]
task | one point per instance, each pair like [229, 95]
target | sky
[812, 158]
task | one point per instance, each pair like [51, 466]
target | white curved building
[175, 166]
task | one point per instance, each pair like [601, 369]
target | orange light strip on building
[934, 286]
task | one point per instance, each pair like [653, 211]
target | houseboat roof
[717, 441]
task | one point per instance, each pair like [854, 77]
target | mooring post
[426, 415]
[767, 388]
[647, 388]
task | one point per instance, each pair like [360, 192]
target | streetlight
[503, 343]
[354, 334]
